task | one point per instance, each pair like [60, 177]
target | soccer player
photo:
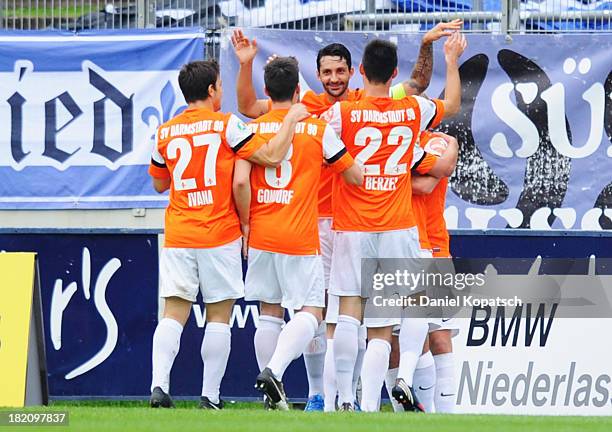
[416, 363]
[285, 266]
[334, 70]
[194, 158]
[440, 337]
[374, 221]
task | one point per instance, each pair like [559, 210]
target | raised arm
[273, 152]
[245, 51]
[423, 68]
[453, 48]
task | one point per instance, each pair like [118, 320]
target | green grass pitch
[136, 416]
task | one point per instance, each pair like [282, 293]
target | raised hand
[454, 46]
[441, 30]
[245, 49]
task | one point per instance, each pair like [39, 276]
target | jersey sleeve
[334, 151]
[398, 91]
[425, 163]
[432, 112]
[333, 117]
[241, 140]
[158, 168]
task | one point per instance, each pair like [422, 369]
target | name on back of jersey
[199, 198]
[374, 116]
[274, 127]
[276, 196]
[181, 129]
[376, 183]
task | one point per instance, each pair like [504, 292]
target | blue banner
[79, 124]
[535, 127]
[100, 309]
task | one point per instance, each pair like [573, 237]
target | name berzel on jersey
[380, 183]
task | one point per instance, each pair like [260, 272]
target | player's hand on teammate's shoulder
[245, 49]
[298, 112]
[454, 47]
[443, 29]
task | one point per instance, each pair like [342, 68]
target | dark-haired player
[194, 157]
[334, 71]
[280, 207]
[374, 221]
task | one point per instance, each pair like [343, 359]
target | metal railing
[492, 16]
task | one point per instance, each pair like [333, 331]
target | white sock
[446, 387]
[314, 360]
[375, 365]
[389, 383]
[412, 336]
[345, 355]
[292, 341]
[215, 351]
[166, 344]
[425, 381]
[265, 339]
[329, 378]
[361, 349]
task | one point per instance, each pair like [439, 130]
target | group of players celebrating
[314, 184]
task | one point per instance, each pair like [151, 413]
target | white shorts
[326, 239]
[293, 281]
[351, 247]
[436, 324]
[216, 272]
[333, 309]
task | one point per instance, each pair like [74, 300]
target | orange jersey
[284, 213]
[436, 201]
[380, 133]
[436, 225]
[196, 150]
[317, 104]
[420, 202]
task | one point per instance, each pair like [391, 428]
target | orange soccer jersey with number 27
[196, 150]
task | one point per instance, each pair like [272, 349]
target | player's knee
[440, 342]
[177, 309]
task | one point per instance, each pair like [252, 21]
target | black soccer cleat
[206, 404]
[273, 389]
[347, 407]
[160, 399]
[406, 397]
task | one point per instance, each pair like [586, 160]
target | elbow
[423, 188]
[453, 109]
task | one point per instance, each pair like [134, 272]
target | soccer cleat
[268, 405]
[347, 407]
[357, 406]
[207, 404]
[406, 397]
[159, 399]
[272, 388]
[315, 403]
